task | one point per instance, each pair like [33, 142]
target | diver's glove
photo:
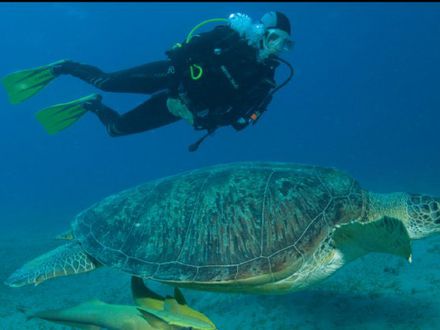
[240, 124]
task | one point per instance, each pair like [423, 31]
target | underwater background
[365, 99]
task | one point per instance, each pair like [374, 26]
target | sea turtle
[255, 227]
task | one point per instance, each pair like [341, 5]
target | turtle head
[419, 213]
[424, 215]
[20, 278]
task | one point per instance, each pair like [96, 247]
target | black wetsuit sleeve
[253, 107]
[256, 99]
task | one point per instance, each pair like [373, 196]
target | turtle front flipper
[385, 235]
[68, 259]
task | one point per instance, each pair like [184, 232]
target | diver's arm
[240, 124]
[250, 111]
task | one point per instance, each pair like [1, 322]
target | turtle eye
[430, 207]
[435, 211]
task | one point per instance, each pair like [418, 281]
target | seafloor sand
[375, 292]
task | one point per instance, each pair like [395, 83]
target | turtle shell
[251, 223]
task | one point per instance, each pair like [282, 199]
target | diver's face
[276, 41]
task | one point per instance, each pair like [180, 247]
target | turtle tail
[68, 259]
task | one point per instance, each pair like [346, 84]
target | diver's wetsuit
[145, 79]
[229, 91]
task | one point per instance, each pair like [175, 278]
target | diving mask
[276, 41]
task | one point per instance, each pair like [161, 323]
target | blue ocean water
[365, 99]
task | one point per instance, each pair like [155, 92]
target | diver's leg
[149, 115]
[145, 79]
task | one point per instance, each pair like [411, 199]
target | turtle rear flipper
[68, 259]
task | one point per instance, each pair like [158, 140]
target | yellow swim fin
[60, 116]
[23, 84]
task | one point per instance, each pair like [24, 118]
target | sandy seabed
[377, 291]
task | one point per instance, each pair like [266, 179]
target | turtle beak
[21, 277]
[15, 280]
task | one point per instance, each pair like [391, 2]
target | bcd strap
[188, 39]
[193, 147]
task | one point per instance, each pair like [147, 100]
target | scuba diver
[218, 78]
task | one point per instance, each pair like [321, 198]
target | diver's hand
[240, 124]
